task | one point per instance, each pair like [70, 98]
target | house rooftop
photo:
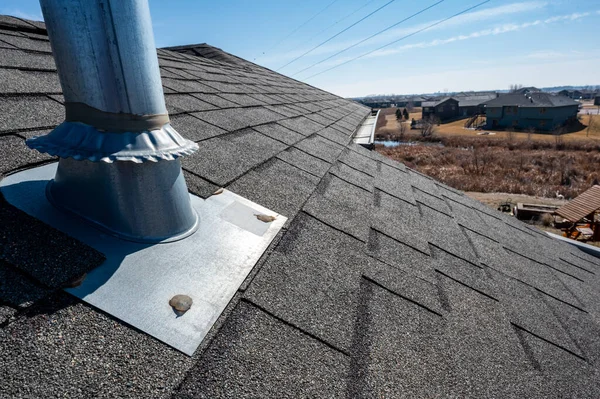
[474, 100]
[437, 102]
[383, 282]
[531, 100]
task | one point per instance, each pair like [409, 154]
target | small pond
[391, 143]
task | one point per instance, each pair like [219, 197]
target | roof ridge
[26, 25]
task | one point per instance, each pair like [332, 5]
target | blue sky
[537, 43]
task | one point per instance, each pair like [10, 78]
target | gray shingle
[319, 147]
[446, 234]
[487, 357]
[285, 110]
[194, 128]
[343, 206]
[279, 132]
[527, 308]
[239, 118]
[14, 81]
[406, 284]
[215, 100]
[396, 349]
[22, 59]
[565, 376]
[312, 284]
[14, 154]
[75, 350]
[179, 103]
[198, 186]
[257, 355]
[302, 125]
[276, 185]
[6, 313]
[394, 182]
[352, 176]
[222, 159]
[359, 162]
[26, 43]
[304, 161]
[401, 256]
[243, 99]
[18, 290]
[334, 135]
[29, 113]
[411, 231]
[431, 201]
[187, 86]
[14, 22]
[49, 256]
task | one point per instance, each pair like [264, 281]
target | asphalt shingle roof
[436, 102]
[383, 283]
[534, 99]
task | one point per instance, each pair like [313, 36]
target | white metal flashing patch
[173, 291]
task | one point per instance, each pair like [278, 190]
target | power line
[368, 38]
[402, 38]
[300, 27]
[337, 34]
[340, 20]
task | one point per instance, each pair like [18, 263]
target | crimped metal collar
[84, 142]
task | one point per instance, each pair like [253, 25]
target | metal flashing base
[136, 281]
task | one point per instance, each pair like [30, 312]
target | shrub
[547, 220]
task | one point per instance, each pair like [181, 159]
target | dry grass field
[518, 166]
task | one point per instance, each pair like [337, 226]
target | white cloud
[485, 32]
[546, 55]
[474, 16]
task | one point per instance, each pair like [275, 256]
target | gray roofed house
[443, 109]
[527, 90]
[383, 282]
[543, 111]
[470, 104]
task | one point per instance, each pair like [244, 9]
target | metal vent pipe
[119, 162]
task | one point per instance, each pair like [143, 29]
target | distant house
[588, 94]
[417, 101]
[542, 111]
[444, 109]
[469, 105]
[527, 90]
[574, 94]
[377, 103]
[597, 100]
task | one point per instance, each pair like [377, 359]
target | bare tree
[530, 132]
[410, 106]
[557, 132]
[510, 135]
[428, 127]
[402, 129]
[590, 124]
[515, 88]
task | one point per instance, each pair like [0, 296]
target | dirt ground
[494, 199]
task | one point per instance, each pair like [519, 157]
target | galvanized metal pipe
[118, 167]
[105, 54]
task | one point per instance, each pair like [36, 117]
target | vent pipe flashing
[119, 165]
